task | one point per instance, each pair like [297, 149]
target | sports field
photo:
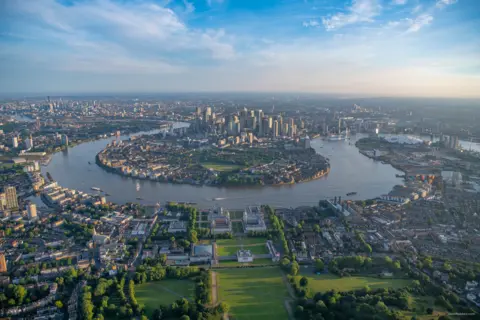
[164, 292]
[326, 282]
[253, 293]
[229, 247]
[222, 167]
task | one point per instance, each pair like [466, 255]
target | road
[214, 289]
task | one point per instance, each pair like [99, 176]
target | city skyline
[368, 47]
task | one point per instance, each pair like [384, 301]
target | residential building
[11, 197]
[3, 263]
[32, 211]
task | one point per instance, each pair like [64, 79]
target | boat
[351, 194]
[139, 198]
[89, 162]
[49, 176]
[217, 199]
[107, 194]
[96, 189]
[336, 137]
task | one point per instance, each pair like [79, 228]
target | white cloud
[417, 8]
[419, 22]
[212, 2]
[359, 11]
[119, 35]
[444, 3]
[189, 7]
[311, 24]
[399, 2]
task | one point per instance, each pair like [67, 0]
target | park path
[288, 301]
[214, 289]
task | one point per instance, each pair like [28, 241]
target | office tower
[252, 123]
[3, 263]
[29, 143]
[198, 111]
[32, 211]
[15, 142]
[260, 122]
[292, 131]
[275, 129]
[250, 137]
[285, 129]
[38, 123]
[291, 122]
[64, 140]
[11, 195]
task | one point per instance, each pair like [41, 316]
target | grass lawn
[255, 262]
[222, 167]
[326, 282]
[229, 247]
[154, 294]
[232, 250]
[253, 293]
[237, 226]
[236, 215]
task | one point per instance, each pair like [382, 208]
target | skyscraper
[65, 140]
[29, 143]
[3, 263]
[15, 142]
[32, 211]
[275, 129]
[11, 195]
[198, 111]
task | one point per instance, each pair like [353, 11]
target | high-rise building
[250, 137]
[291, 122]
[3, 263]
[11, 195]
[3, 201]
[292, 131]
[29, 143]
[15, 142]
[65, 140]
[275, 129]
[32, 211]
[38, 125]
[198, 111]
[285, 129]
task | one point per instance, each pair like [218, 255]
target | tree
[429, 310]
[223, 308]
[294, 268]
[319, 265]
[157, 314]
[59, 304]
[303, 281]
[184, 317]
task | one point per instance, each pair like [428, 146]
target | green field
[253, 293]
[236, 215]
[237, 226]
[326, 282]
[229, 247]
[165, 292]
[256, 262]
[222, 167]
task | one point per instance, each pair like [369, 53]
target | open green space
[253, 293]
[237, 226]
[164, 292]
[326, 282]
[232, 250]
[222, 167]
[236, 215]
[256, 262]
[240, 241]
[229, 247]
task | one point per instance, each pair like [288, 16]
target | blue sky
[365, 47]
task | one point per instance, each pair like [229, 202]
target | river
[350, 171]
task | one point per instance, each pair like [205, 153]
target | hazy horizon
[354, 48]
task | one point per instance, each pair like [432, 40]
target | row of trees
[278, 227]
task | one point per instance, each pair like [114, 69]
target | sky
[414, 48]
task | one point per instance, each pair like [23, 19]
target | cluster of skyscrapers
[251, 121]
